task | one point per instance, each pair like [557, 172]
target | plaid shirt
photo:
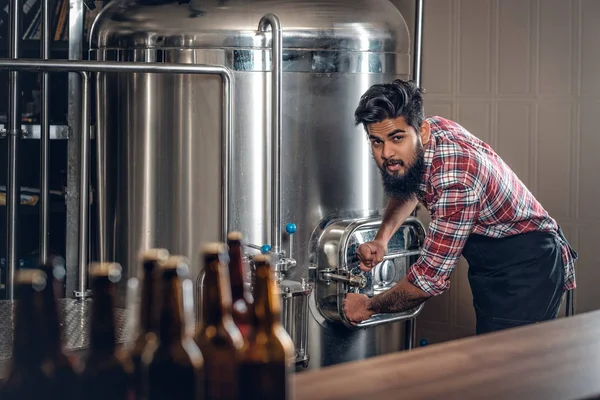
[467, 189]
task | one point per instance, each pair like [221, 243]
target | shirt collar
[428, 158]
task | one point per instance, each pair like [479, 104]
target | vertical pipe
[13, 133]
[410, 325]
[73, 148]
[418, 47]
[84, 186]
[226, 154]
[276, 106]
[45, 134]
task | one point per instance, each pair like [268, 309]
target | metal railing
[85, 68]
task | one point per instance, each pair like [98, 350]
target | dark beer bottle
[218, 338]
[27, 377]
[174, 363]
[58, 365]
[269, 351]
[146, 318]
[107, 370]
[241, 300]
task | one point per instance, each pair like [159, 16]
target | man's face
[398, 151]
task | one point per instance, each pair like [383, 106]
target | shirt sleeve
[453, 217]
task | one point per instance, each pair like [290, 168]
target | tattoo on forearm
[394, 301]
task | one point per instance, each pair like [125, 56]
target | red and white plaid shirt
[467, 189]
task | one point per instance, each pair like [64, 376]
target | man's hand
[370, 254]
[356, 308]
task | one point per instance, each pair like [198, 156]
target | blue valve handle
[290, 228]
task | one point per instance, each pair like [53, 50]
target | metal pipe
[14, 136]
[84, 186]
[85, 67]
[44, 134]
[276, 73]
[410, 325]
[226, 149]
[418, 47]
[410, 334]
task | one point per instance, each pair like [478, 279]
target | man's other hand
[356, 308]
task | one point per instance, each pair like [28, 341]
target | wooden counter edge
[558, 359]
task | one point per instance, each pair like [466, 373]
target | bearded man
[520, 263]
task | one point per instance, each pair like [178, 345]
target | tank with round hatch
[160, 135]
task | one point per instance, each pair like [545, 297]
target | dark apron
[517, 280]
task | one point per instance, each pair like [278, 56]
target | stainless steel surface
[84, 206]
[294, 316]
[45, 132]
[418, 42]
[335, 258]
[332, 343]
[14, 129]
[271, 20]
[74, 113]
[369, 25]
[331, 55]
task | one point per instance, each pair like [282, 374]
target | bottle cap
[262, 258]
[235, 236]
[110, 270]
[33, 277]
[156, 254]
[213, 248]
[179, 264]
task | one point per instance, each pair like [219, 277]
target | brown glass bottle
[27, 377]
[147, 316]
[241, 300]
[218, 338]
[58, 365]
[268, 353]
[106, 370]
[175, 364]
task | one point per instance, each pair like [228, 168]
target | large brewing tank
[160, 164]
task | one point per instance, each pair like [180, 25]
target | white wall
[523, 75]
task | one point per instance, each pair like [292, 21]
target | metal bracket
[82, 295]
[61, 132]
[356, 282]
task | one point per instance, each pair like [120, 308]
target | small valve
[265, 248]
[290, 228]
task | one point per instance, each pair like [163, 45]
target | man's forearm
[402, 297]
[394, 216]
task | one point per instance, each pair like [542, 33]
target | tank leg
[409, 334]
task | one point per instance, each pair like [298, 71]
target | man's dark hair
[390, 101]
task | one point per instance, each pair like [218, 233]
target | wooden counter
[552, 360]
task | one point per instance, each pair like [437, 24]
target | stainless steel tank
[159, 170]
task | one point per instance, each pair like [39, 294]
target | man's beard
[406, 186]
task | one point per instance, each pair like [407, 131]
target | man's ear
[425, 132]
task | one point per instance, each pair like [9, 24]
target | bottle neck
[28, 345]
[171, 329]
[216, 301]
[147, 319]
[236, 271]
[102, 326]
[267, 306]
[52, 329]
